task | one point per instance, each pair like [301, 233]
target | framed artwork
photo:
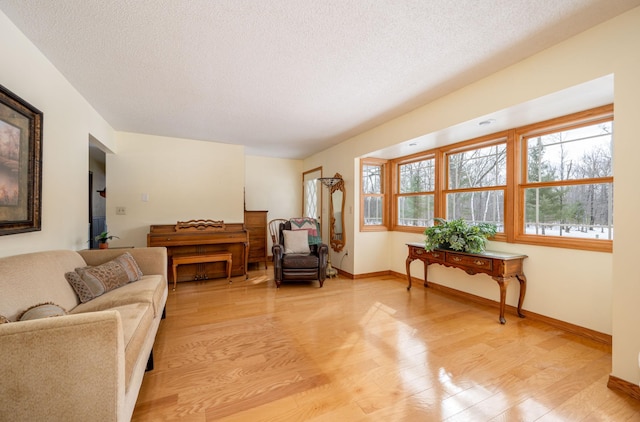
[20, 165]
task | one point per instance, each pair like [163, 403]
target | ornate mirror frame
[337, 237]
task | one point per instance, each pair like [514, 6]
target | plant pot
[103, 245]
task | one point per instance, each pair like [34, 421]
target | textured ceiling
[286, 78]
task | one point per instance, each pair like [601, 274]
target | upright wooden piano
[230, 238]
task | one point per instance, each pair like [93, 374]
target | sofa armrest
[63, 368]
[151, 260]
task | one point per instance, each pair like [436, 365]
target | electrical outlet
[121, 211]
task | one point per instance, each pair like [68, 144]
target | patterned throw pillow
[86, 290]
[4, 319]
[312, 227]
[42, 310]
[91, 282]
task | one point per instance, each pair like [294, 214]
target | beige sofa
[87, 365]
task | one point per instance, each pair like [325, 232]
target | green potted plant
[103, 239]
[458, 235]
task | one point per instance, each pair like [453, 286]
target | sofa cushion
[91, 282]
[42, 310]
[149, 289]
[137, 319]
[296, 241]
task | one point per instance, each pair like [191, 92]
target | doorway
[312, 194]
[97, 192]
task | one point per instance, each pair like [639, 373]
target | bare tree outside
[572, 202]
[372, 179]
[469, 172]
[415, 206]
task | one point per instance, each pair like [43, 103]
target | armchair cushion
[296, 241]
[299, 261]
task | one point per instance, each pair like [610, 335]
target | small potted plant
[458, 235]
[103, 239]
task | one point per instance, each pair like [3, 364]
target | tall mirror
[337, 238]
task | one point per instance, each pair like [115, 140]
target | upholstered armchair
[297, 256]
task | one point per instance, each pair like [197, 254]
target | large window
[567, 187]
[550, 183]
[415, 193]
[476, 184]
[373, 205]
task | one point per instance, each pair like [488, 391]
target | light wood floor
[366, 350]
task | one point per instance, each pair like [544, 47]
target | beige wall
[624, 56]
[273, 184]
[593, 290]
[68, 122]
[183, 180]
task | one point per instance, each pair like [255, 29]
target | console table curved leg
[408, 266]
[426, 264]
[408, 262]
[503, 283]
[523, 289]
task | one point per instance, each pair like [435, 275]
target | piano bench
[200, 259]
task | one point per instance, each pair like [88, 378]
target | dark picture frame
[20, 165]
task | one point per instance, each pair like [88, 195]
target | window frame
[394, 166]
[384, 185]
[572, 121]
